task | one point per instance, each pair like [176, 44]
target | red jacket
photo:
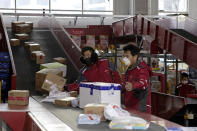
[140, 97]
[99, 72]
[185, 89]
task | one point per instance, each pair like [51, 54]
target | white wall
[193, 9]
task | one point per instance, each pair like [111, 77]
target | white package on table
[113, 111]
[99, 92]
[89, 119]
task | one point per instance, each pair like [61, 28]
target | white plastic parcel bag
[113, 111]
[55, 94]
[89, 119]
[129, 122]
[75, 102]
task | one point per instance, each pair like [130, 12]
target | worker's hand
[129, 86]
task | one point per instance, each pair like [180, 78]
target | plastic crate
[4, 71]
[4, 65]
[4, 56]
[3, 76]
[4, 79]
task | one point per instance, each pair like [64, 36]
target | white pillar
[121, 7]
[153, 7]
[132, 7]
[192, 9]
[141, 7]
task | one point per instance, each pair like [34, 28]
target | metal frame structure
[159, 37]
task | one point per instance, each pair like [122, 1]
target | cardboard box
[34, 47]
[95, 109]
[66, 102]
[55, 65]
[60, 60]
[23, 28]
[18, 97]
[99, 92]
[52, 79]
[34, 54]
[22, 36]
[15, 23]
[41, 75]
[38, 56]
[73, 93]
[14, 42]
[27, 43]
[30, 24]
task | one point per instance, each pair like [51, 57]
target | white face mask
[126, 61]
[184, 82]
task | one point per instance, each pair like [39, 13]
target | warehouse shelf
[8, 65]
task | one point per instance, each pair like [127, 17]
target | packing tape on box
[18, 98]
[51, 83]
[92, 87]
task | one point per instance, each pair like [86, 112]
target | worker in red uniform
[95, 70]
[185, 87]
[136, 86]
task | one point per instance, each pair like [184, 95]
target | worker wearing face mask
[94, 70]
[185, 87]
[135, 85]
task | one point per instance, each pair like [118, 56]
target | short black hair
[184, 74]
[86, 48]
[133, 49]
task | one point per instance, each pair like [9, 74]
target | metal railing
[70, 48]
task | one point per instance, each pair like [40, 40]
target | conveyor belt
[26, 68]
[186, 35]
[26, 72]
[70, 115]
